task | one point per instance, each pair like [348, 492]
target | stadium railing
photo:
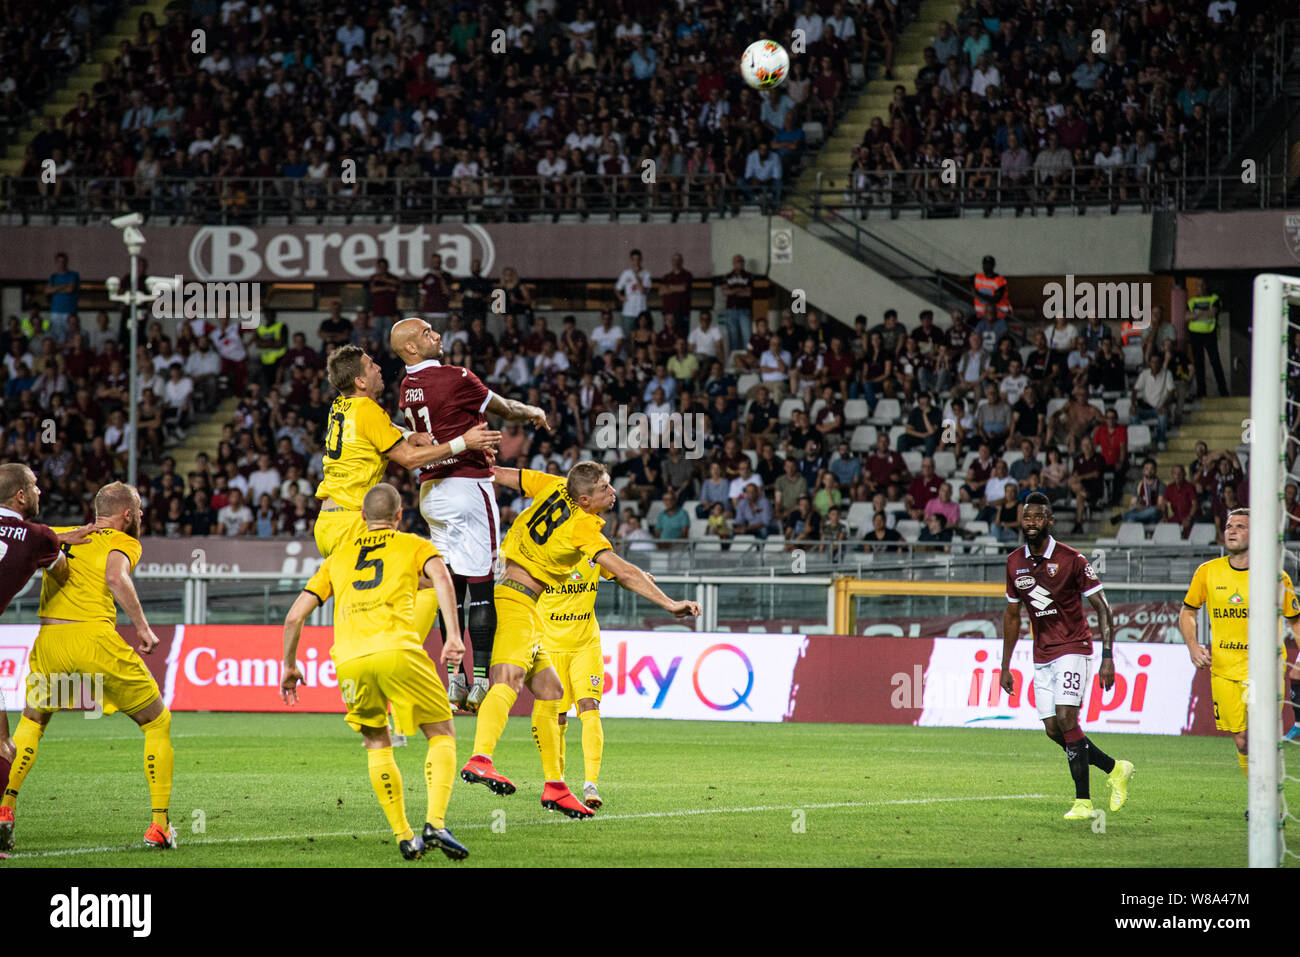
[248, 200]
[977, 189]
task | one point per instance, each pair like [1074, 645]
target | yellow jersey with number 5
[373, 579]
[358, 434]
[553, 534]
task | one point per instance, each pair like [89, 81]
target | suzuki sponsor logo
[235, 253]
[1040, 597]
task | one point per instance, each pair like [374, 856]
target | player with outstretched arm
[1053, 579]
[560, 528]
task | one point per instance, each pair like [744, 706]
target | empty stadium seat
[945, 463]
[1139, 438]
[888, 411]
[1098, 404]
[1124, 409]
[894, 432]
[652, 513]
[817, 406]
[1011, 458]
[814, 134]
[909, 529]
[1054, 406]
[913, 460]
[978, 527]
[788, 407]
[747, 383]
[863, 438]
[856, 411]
[859, 518]
[1132, 357]
[1167, 533]
[966, 512]
[1202, 534]
[752, 456]
[1131, 533]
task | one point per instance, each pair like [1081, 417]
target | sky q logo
[720, 672]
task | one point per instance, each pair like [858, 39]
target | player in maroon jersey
[1053, 579]
[457, 498]
[24, 547]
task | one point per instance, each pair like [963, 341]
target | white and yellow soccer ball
[765, 64]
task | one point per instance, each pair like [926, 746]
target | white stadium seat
[888, 411]
[1139, 438]
[859, 518]
[1124, 409]
[945, 463]
[1202, 534]
[1131, 533]
[1167, 533]
[788, 407]
[856, 411]
[863, 438]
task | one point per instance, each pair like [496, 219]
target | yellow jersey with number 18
[1226, 593]
[373, 578]
[358, 434]
[85, 595]
[553, 534]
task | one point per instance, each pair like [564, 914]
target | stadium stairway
[81, 80]
[835, 158]
[1216, 422]
[204, 436]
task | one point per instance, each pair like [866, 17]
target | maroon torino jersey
[1052, 588]
[24, 547]
[444, 402]
[435, 292]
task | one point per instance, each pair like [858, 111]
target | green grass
[292, 790]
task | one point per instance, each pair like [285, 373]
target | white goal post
[1273, 295]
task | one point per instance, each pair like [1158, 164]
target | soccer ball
[764, 64]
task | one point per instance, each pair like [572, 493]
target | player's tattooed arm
[516, 411]
[117, 574]
[1105, 625]
[1010, 635]
[409, 455]
[632, 578]
[303, 606]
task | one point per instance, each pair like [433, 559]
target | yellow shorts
[406, 677]
[518, 638]
[334, 528]
[90, 657]
[582, 674]
[1230, 704]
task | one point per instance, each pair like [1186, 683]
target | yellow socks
[546, 732]
[439, 774]
[564, 731]
[159, 761]
[593, 743]
[1242, 759]
[27, 738]
[386, 779]
[426, 610]
[492, 716]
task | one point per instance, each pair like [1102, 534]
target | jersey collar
[426, 364]
[1047, 552]
[10, 513]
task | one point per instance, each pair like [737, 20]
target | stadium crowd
[811, 429]
[1033, 96]
[463, 95]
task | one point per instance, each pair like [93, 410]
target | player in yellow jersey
[380, 660]
[1223, 584]
[559, 529]
[78, 645]
[360, 440]
[571, 637]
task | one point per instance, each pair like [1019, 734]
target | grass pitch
[292, 790]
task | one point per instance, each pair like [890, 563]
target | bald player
[456, 495]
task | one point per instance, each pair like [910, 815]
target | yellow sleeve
[588, 539]
[374, 426]
[532, 483]
[1195, 596]
[128, 546]
[424, 550]
[605, 573]
[1290, 608]
[319, 583]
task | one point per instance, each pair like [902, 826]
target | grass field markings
[688, 812]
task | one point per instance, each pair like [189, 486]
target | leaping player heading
[561, 528]
[456, 496]
[1053, 579]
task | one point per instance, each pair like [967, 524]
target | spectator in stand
[435, 293]
[791, 486]
[881, 538]
[978, 473]
[1087, 481]
[762, 179]
[753, 513]
[1145, 503]
[1111, 440]
[972, 368]
[718, 525]
[1006, 516]
[63, 288]
[936, 534]
[707, 340]
[672, 523]
[633, 290]
[739, 287]
[1152, 394]
[802, 525]
[885, 467]
[675, 296]
[607, 337]
[1179, 503]
[923, 487]
[234, 518]
[1075, 420]
[943, 504]
[993, 418]
[775, 366]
